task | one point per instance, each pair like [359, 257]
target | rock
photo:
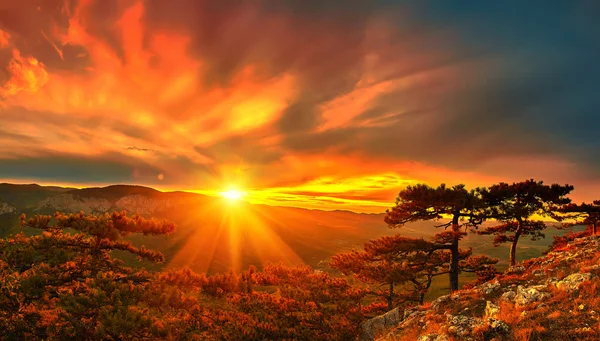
[67, 202]
[529, 295]
[489, 287]
[438, 302]
[515, 269]
[6, 208]
[498, 327]
[508, 296]
[378, 325]
[461, 325]
[572, 282]
[491, 310]
[409, 311]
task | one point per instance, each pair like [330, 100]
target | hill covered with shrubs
[554, 297]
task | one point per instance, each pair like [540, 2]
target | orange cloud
[25, 74]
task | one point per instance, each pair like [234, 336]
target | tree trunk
[513, 246]
[454, 251]
[594, 228]
[391, 297]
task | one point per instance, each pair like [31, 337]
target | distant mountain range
[214, 234]
[208, 226]
[43, 199]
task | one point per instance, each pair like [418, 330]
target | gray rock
[461, 325]
[529, 295]
[378, 325]
[489, 287]
[572, 282]
[409, 311]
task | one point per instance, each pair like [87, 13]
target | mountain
[554, 297]
[26, 196]
[214, 234]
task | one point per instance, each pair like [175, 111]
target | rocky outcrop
[67, 202]
[6, 208]
[137, 203]
[375, 327]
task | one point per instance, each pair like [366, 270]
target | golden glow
[233, 194]
[231, 239]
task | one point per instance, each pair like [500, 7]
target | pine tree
[519, 207]
[580, 214]
[408, 263]
[422, 202]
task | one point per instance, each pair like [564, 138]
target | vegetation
[513, 206]
[422, 202]
[582, 214]
[65, 285]
[68, 283]
[409, 263]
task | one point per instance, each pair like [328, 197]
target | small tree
[68, 282]
[422, 202]
[515, 206]
[393, 261]
[408, 263]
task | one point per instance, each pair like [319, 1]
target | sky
[331, 105]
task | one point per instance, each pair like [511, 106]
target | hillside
[554, 297]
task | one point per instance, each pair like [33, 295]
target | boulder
[572, 282]
[529, 295]
[378, 325]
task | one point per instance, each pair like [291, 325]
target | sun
[233, 194]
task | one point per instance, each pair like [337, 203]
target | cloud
[297, 97]
[140, 149]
